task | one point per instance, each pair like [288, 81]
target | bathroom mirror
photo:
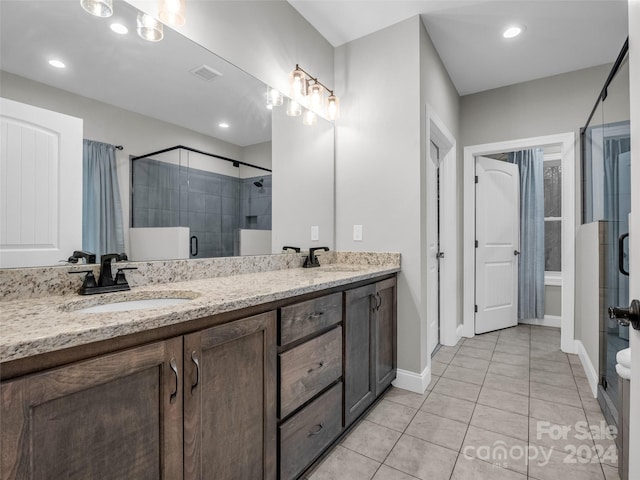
[149, 96]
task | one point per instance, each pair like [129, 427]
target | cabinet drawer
[304, 318]
[308, 368]
[306, 434]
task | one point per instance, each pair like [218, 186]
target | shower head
[259, 183]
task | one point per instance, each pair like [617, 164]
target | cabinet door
[359, 382]
[113, 417]
[386, 336]
[230, 400]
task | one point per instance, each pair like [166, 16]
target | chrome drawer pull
[320, 365]
[318, 429]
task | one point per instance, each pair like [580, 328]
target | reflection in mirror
[145, 96]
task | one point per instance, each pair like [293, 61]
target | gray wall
[552, 300]
[386, 79]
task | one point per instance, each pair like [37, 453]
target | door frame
[567, 143]
[437, 132]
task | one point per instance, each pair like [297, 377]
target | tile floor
[503, 405]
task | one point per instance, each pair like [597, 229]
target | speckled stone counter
[40, 325]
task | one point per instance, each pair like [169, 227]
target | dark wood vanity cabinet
[116, 416]
[198, 406]
[369, 345]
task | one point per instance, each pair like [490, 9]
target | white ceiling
[560, 35]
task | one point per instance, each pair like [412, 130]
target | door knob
[516, 252]
[440, 255]
[626, 316]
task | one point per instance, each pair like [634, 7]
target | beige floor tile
[501, 421]
[516, 341]
[610, 473]
[514, 371]
[421, 459]
[550, 378]
[343, 463]
[510, 402]
[565, 466]
[495, 448]
[543, 433]
[469, 362]
[551, 366]
[371, 440]
[449, 407]
[443, 357]
[483, 344]
[567, 395]
[464, 374]
[436, 429]
[391, 415]
[475, 352]
[453, 350]
[387, 473]
[472, 469]
[578, 371]
[507, 384]
[432, 383]
[552, 356]
[405, 397]
[510, 359]
[512, 348]
[438, 368]
[589, 403]
[457, 389]
[556, 413]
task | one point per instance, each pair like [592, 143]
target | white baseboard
[547, 321]
[459, 331]
[589, 369]
[414, 382]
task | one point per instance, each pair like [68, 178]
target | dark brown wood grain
[306, 318]
[308, 432]
[385, 335]
[108, 418]
[308, 369]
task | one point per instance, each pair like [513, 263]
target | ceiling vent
[206, 73]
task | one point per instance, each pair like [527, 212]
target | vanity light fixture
[99, 8]
[309, 91]
[57, 63]
[274, 98]
[513, 31]
[309, 117]
[294, 109]
[119, 28]
[172, 12]
[223, 125]
[149, 28]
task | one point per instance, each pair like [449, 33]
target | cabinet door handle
[194, 359]
[315, 315]
[317, 429]
[320, 365]
[379, 301]
[174, 367]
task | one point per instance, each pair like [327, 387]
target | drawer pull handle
[194, 359]
[317, 429]
[315, 315]
[174, 367]
[320, 365]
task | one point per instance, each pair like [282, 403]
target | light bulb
[99, 8]
[172, 12]
[333, 107]
[294, 109]
[298, 84]
[309, 118]
[275, 97]
[149, 28]
[315, 98]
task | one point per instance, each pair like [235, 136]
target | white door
[40, 185]
[498, 243]
[433, 250]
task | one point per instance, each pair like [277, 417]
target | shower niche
[187, 203]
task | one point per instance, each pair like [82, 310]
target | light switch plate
[315, 233]
[357, 233]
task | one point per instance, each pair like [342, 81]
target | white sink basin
[133, 305]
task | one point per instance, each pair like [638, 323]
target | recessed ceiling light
[223, 125]
[119, 28]
[56, 64]
[513, 31]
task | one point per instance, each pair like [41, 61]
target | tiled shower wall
[212, 205]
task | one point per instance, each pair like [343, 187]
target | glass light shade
[172, 12]
[333, 107]
[275, 97]
[309, 118]
[99, 8]
[294, 109]
[316, 94]
[149, 28]
[298, 84]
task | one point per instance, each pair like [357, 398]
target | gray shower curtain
[531, 260]
[102, 229]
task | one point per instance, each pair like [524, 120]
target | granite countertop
[35, 326]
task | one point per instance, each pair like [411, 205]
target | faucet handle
[89, 279]
[120, 278]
